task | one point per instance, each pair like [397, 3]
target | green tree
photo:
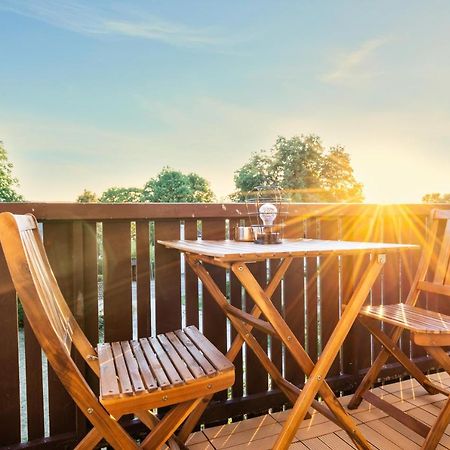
[257, 172]
[121, 195]
[8, 183]
[87, 197]
[337, 178]
[172, 186]
[304, 168]
[435, 197]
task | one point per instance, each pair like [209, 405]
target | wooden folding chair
[178, 368]
[427, 328]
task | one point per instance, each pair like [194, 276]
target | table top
[229, 250]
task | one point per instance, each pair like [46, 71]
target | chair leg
[90, 440]
[437, 430]
[389, 345]
[168, 425]
[151, 421]
[373, 372]
[193, 419]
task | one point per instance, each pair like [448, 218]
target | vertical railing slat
[236, 300]
[329, 288]
[167, 278]
[9, 360]
[117, 281]
[191, 280]
[33, 375]
[58, 241]
[214, 321]
[311, 293]
[294, 300]
[357, 349]
[143, 278]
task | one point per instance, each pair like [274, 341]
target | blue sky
[100, 93]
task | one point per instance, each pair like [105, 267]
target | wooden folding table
[236, 256]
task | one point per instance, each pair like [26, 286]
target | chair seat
[417, 320]
[161, 370]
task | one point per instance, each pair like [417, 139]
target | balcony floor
[318, 433]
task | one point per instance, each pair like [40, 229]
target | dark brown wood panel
[90, 281]
[356, 349]
[329, 288]
[9, 360]
[35, 396]
[311, 232]
[214, 320]
[58, 242]
[167, 278]
[294, 300]
[236, 300]
[143, 277]
[117, 281]
[276, 346]
[377, 290]
[256, 374]
[191, 280]
[414, 228]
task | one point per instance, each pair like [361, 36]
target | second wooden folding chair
[429, 329]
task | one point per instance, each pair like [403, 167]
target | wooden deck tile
[318, 433]
[316, 444]
[247, 437]
[238, 427]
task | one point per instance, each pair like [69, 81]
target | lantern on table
[267, 212]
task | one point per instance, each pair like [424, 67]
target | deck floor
[318, 433]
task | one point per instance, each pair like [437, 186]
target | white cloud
[91, 19]
[353, 66]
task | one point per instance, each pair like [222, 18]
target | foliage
[8, 183]
[87, 197]
[172, 186]
[435, 197]
[121, 195]
[303, 167]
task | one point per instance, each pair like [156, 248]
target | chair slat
[133, 368]
[179, 364]
[174, 377]
[410, 317]
[444, 256]
[196, 354]
[154, 363]
[144, 368]
[122, 372]
[215, 356]
[193, 365]
[109, 387]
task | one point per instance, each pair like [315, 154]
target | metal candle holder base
[269, 237]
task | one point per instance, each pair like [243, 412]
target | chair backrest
[433, 273]
[50, 317]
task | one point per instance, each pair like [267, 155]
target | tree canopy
[87, 197]
[436, 197]
[172, 186]
[304, 168]
[121, 195]
[8, 183]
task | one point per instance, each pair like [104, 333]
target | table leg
[318, 374]
[239, 340]
[254, 289]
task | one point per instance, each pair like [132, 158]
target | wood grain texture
[143, 277]
[9, 360]
[167, 279]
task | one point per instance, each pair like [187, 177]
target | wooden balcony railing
[93, 249]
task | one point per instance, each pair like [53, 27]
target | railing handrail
[153, 211]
